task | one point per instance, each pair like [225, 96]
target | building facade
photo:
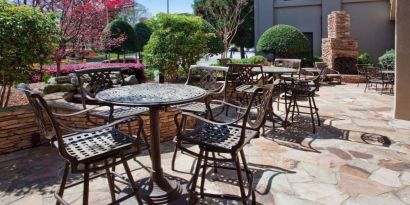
[371, 23]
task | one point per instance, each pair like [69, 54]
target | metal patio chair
[208, 80]
[224, 138]
[92, 81]
[85, 151]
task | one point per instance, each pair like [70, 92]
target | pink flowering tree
[82, 24]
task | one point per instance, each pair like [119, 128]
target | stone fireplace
[340, 50]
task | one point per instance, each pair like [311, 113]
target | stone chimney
[340, 50]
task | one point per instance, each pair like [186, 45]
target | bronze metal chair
[302, 90]
[248, 77]
[92, 81]
[85, 151]
[208, 80]
[362, 71]
[223, 138]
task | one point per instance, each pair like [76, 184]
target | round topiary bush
[143, 33]
[283, 41]
[387, 60]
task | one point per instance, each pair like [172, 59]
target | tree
[143, 34]
[19, 51]
[245, 35]
[118, 28]
[283, 41]
[215, 44]
[225, 15]
[177, 41]
[136, 13]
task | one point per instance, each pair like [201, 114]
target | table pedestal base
[159, 191]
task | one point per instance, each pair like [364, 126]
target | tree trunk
[242, 52]
[118, 57]
[58, 65]
[8, 96]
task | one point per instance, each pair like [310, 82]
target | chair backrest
[45, 119]
[362, 68]
[92, 81]
[320, 65]
[374, 73]
[246, 74]
[208, 77]
[269, 92]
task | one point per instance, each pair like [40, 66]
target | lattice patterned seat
[121, 112]
[95, 145]
[218, 138]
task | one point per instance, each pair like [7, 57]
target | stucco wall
[305, 18]
[402, 97]
[371, 26]
[370, 20]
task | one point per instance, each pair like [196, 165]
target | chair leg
[195, 177]
[285, 124]
[175, 155]
[131, 180]
[63, 181]
[240, 180]
[317, 111]
[110, 182]
[86, 185]
[311, 115]
[294, 105]
[203, 174]
[215, 163]
[248, 176]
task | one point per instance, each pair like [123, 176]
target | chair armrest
[228, 104]
[76, 113]
[210, 121]
[95, 129]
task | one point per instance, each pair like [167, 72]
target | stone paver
[359, 156]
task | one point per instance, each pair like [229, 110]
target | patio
[358, 156]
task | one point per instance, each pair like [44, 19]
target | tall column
[402, 89]
[264, 16]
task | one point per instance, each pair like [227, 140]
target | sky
[175, 6]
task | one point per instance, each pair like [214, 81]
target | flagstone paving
[357, 158]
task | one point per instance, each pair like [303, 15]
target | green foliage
[215, 44]
[364, 58]
[27, 37]
[143, 33]
[283, 41]
[118, 27]
[177, 41]
[387, 60]
[310, 61]
[256, 60]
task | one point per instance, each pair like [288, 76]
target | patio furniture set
[376, 76]
[252, 88]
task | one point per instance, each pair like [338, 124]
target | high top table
[157, 189]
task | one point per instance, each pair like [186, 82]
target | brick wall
[18, 125]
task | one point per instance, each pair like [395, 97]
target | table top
[274, 69]
[151, 95]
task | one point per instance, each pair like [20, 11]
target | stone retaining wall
[19, 130]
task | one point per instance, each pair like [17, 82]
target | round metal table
[156, 189]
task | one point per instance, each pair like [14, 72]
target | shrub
[256, 60]
[387, 60]
[364, 58]
[310, 61]
[143, 33]
[27, 37]
[119, 27]
[177, 41]
[283, 41]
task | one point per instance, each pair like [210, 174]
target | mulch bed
[18, 98]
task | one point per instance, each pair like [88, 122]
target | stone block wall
[339, 42]
[18, 125]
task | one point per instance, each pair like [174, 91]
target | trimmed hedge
[283, 41]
